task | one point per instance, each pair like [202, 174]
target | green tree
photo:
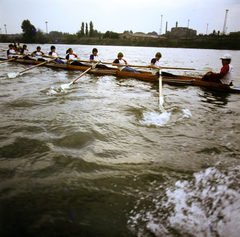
[55, 34]
[70, 39]
[82, 29]
[86, 33]
[111, 35]
[91, 32]
[40, 37]
[29, 31]
[78, 34]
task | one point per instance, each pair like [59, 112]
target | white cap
[226, 56]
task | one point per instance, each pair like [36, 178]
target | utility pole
[207, 29]
[5, 28]
[46, 27]
[188, 24]
[1, 30]
[225, 23]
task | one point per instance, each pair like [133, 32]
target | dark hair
[38, 47]
[10, 45]
[120, 54]
[24, 45]
[53, 47]
[68, 50]
[94, 50]
[158, 54]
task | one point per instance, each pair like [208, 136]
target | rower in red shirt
[225, 75]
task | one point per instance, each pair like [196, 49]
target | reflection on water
[100, 159]
[216, 98]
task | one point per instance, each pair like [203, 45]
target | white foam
[51, 92]
[155, 118]
[187, 113]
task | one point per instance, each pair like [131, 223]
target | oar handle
[11, 59]
[94, 65]
[37, 65]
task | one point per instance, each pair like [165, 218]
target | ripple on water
[208, 205]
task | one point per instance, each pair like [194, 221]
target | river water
[101, 159]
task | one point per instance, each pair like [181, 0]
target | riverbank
[230, 42]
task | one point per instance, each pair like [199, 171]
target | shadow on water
[214, 97]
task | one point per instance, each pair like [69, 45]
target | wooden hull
[143, 75]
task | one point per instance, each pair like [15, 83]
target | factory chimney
[166, 27]
[225, 23]
[176, 24]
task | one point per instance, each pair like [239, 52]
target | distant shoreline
[195, 43]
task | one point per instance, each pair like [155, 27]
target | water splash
[155, 118]
[56, 90]
[165, 118]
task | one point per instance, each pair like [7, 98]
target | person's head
[120, 55]
[10, 46]
[53, 48]
[226, 59]
[94, 51]
[24, 46]
[38, 48]
[158, 56]
[70, 51]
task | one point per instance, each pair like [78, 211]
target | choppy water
[100, 159]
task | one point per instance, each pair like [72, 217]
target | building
[182, 32]
[137, 36]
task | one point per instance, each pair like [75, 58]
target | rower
[94, 58]
[19, 47]
[25, 51]
[155, 65]
[38, 53]
[225, 75]
[122, 64]
[53, 54]
[11, 51]
[72, 58]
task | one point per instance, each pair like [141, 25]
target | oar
[65, 86]
[161, 101]
[13, 75]
[11, 59]
[148, 66]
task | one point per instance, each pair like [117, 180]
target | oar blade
[161, 101]
[13, 74]
[65, 86]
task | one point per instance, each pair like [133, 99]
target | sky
[118, 16]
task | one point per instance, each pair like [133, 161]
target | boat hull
[143, 75]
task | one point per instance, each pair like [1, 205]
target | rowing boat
[142, 75]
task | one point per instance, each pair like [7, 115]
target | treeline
[33, 35]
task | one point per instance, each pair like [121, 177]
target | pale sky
[136, 15]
